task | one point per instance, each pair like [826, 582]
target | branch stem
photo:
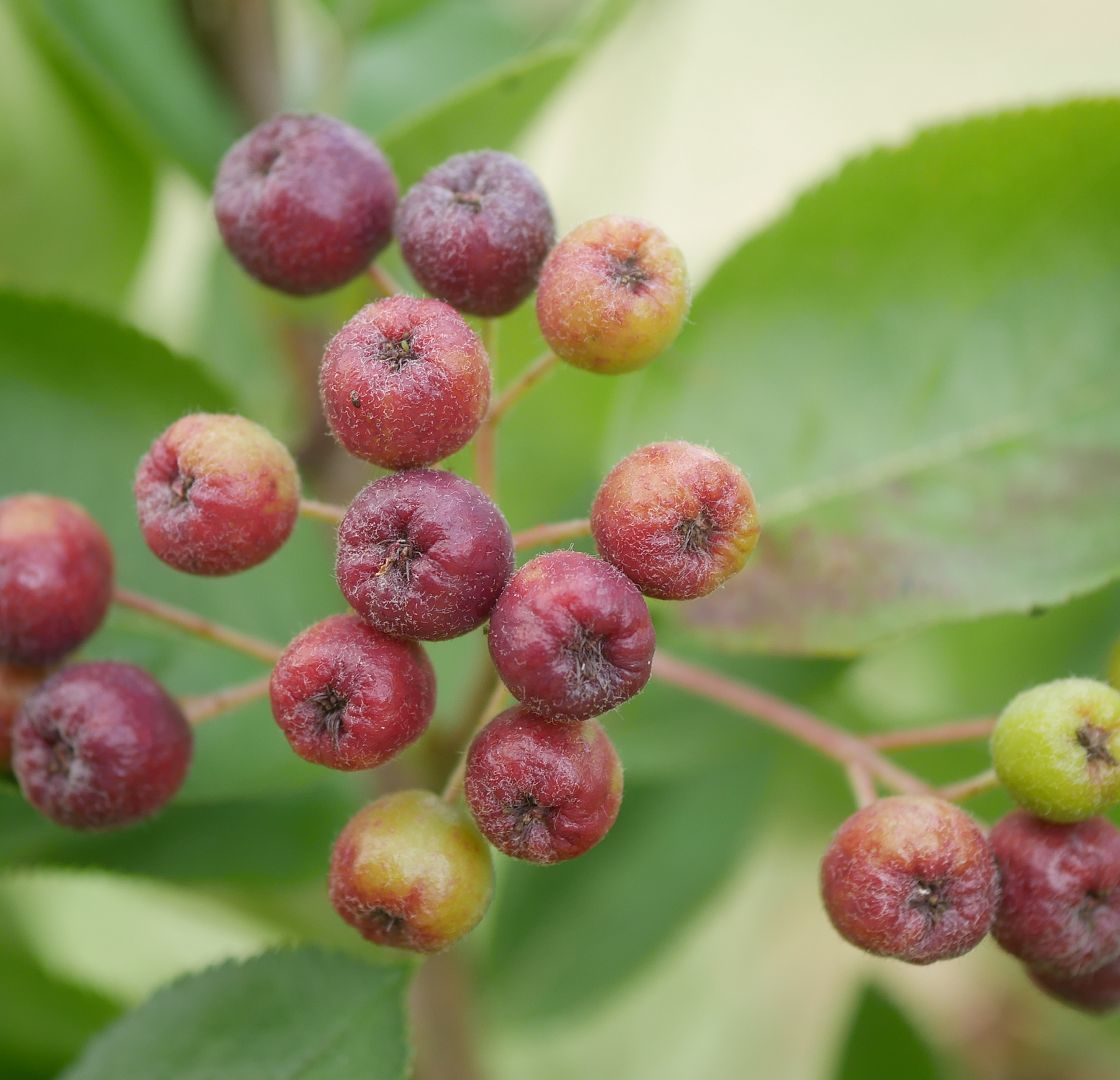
[202, 707]
[863, 787]
[783, 716]
[939, 735]
[554, 532]
[200, 627]
[322, 511]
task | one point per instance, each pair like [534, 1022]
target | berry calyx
[1060, 910]
[571, 637]
[304, 203]
[423, 554]
[613, 295]
[677, 519]
[411, 872]
[405, 382]
[475, 231]
[100, 745]
[910, 877]
[16, 682]
[1056, 748]
[56, 578]
[216, 494]
[350, 697]
[542, 791]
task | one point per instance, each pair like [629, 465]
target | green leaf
[300, 1013]
[917, 369]
[77, 193]
[883, 1045]
[137, 55]
[566, 936]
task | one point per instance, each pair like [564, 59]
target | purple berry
[305, 203]
[16, 682]
[1096, 992]
[350, 697]
[56, 578]
[423, 554]
[1060, 910]
[543, 791]
[571, 637]
[475, 231]
[100, 745]
[405, 382]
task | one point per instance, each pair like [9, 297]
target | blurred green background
[916, 366]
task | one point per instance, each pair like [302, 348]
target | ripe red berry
[1096, 992]
[16, 682]
[410, 871]
[100, 745]
[405, 382]
[571, 637]
[216, 494]
[910, 877]
[423, 554]
[1060, 910]
[475, 230]
[305, 203]
[677, 519]
[612, 295]
[350, 697]
[56, 578]
[540, 790]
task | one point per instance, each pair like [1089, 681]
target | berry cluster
[423, 555]
[914, 877]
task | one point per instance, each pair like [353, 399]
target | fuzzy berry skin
[423, 554]
[677, 519]
[1056, 748]
[216, 494]
[542, 791]
[910, 877]
[350, 697]
[100, 745]
[411, 872]
[571, 637]
[613, 295]
[16, 682]
[305, 203]
[405, 382]
[475, 231]
[56, 578]
[1097, 992]
[1060, 910]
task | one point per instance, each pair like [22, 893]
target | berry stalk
[553, 532]
[383, 281]
[832, 742]
[190, 623]
[971, 785]
[454, 786]
[520, 386]
[938, 735]
[201, 707]
[322, 511]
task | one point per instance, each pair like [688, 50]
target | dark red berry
[1060, 910]
[100, 745]
[910, 877]
[571, 637]
[677, 519]
[475, 231]
[540, 790]
[423, 554]
[16, 682]
[405, 382]
[216, 494]
[350, 697]
[305, 203]
[410, 871]
[1096, 992]
[56, 578]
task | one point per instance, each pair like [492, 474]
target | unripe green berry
[1114, 665]
[1056, 748]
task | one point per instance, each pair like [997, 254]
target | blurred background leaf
[882, 1043]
